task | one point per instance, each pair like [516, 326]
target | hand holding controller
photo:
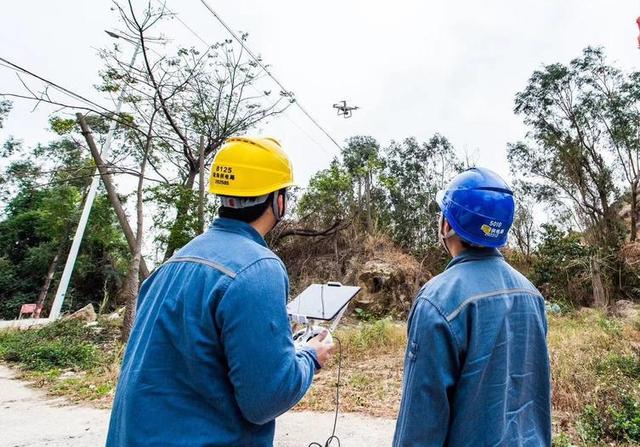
[318, 338]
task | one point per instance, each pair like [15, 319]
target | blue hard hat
[479, 206]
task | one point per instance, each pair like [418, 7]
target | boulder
[386, 288]
[115, 315]
[86, 314]
[626, 309]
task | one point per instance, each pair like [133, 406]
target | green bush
[617, 422]
[561, 267]
[375, 334]
[627, 365]
[562, 440]
[591, 424]
[625, 420]
[60, 345]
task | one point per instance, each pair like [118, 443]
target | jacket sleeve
[430, 366]
[267, 374]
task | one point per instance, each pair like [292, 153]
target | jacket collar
[238, 227]
[474, 254]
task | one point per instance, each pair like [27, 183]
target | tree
[565, 159]
[129, 290]
[523, 229]
[45, 187]
[361, 158]
[623, 110]
[414, 173]
[194, 94]
[328, 198]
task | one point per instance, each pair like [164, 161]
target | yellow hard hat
[250, 167]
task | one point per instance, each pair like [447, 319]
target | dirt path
[30, 418]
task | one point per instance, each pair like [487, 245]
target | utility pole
[201, 187]
[91, 195]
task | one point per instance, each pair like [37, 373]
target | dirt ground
[30, 418]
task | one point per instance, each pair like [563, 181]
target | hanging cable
[266, 70]
[333, 436]
[61, 89]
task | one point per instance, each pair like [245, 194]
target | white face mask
[442, 236]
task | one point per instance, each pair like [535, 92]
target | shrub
[373, 335]
[561, 267]
[617, 422]
[60, 345]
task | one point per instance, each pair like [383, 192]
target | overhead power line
[266, 70]
[61, 89]
[208, 44]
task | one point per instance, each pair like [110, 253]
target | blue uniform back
[210, 360]
[477, 367]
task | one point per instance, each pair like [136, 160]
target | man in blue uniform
[211, 361]
[476, 369]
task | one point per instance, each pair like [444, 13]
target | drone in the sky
[344, 109]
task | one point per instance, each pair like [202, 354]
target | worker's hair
[249, 214]
[466, 244]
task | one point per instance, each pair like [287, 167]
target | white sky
[414, 67]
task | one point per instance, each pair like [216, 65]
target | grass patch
[68, 358]
[372, 358]
[595, 362]
[60, 345]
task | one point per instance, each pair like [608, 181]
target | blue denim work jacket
[211, 361]
[476, 370]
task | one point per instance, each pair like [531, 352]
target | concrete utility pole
[201, 187]
[91, 195]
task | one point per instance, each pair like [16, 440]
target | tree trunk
[129, 295]
[367, 192]
[201, 188]
[634, 211]
[107, 180]
[132, 284]
[44, 291]
[597, 283]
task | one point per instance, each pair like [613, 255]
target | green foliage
[374, 333]
[562, 440]
[5, 108]
[561, 266]
[37, 224]
[363, 315]
[62, 126]
[364, 163]
[391, 190]
[175, 231]
[616, 422]
[414, 173]
[329, 196]
[613, 415]
[60, 345]
[627, 365]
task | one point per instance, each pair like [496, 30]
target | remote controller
[301, 337]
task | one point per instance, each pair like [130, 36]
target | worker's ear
[446, 227]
